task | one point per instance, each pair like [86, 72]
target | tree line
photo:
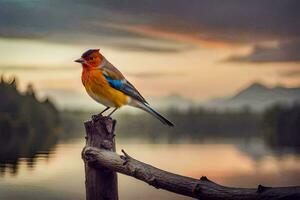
[27, 125]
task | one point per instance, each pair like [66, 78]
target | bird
[107, 85]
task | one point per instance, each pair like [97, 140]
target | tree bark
[100, 183]
[201, 189]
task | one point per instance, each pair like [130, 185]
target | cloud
[33, 68]
[168, 22]
[154, 74]
[284, 52]
[74, 22]
[231, 21]
[139, 48]
[290, 73]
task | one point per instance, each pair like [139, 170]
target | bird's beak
[80, 60]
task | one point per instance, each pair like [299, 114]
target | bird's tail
[147, 108]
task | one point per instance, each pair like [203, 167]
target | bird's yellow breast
[99, 89]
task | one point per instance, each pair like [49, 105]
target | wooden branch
[201, 189]
[100, 184]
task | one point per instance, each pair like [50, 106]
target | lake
[57, 172]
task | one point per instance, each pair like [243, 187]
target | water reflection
[62, 176]
[26, 149]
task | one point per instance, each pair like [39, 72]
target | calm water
[57, 173]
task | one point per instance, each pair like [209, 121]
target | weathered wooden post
[100, 184]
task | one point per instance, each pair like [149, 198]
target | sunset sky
[199, 49]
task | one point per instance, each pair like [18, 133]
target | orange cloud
[199, 39]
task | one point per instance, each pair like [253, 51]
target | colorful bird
[107, 85]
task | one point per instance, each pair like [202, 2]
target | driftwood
[102, 158]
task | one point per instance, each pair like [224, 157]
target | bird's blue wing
[117, 84]
[124, 86]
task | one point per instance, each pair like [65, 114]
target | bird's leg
[104, 110]
[112, 112]
[95, 117]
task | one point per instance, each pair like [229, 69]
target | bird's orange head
[91, 58]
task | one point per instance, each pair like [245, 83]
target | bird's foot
[97, 117]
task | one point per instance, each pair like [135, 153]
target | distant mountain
[257, 97]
